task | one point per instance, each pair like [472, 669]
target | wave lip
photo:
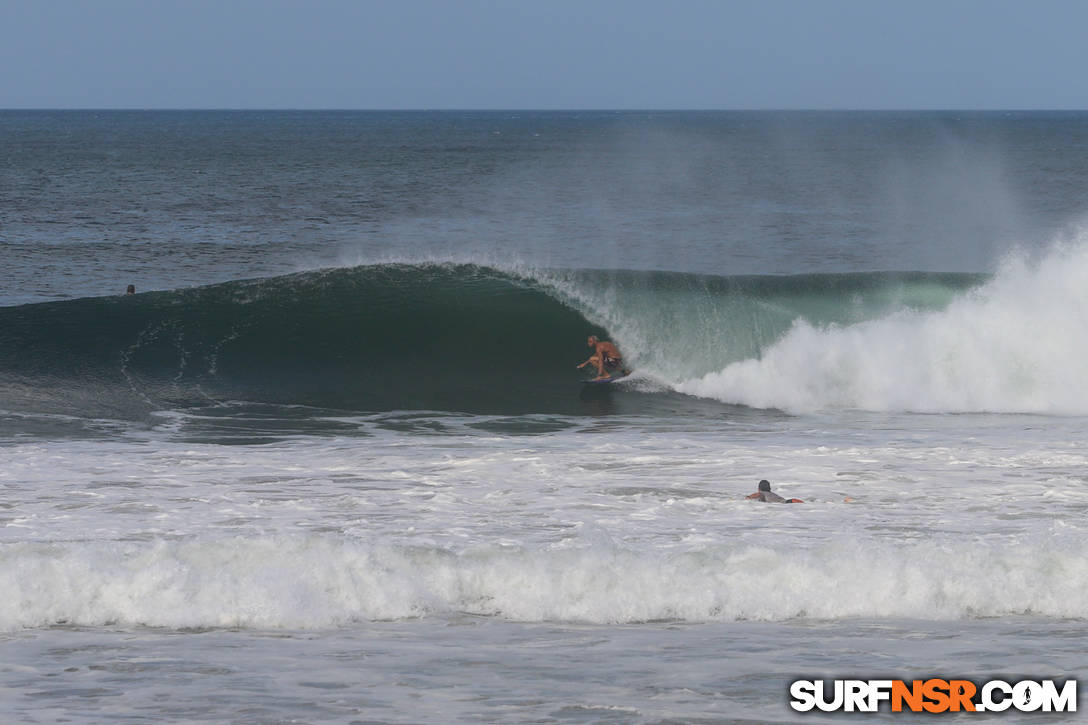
[321, 582]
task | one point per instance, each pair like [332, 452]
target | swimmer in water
[766, 495]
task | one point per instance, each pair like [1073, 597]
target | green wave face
[678, 326]
[446, 337]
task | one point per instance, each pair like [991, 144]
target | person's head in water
[766, 495]
[131, 290]
[591, 341]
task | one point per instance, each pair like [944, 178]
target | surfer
[606, 357]
[766, 495]
[131, 290]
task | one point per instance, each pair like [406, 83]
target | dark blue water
[93, 201]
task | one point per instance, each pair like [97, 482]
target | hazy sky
[692, 54]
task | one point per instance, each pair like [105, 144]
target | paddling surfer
[606, 357]
[766, 495]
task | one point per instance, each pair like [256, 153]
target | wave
[1014, 344]
[478, 339]
[451, 337]
[324, 581]
[443, 337]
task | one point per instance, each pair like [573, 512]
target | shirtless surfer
[606, 357]
[766, 495]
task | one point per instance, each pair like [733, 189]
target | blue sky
[683, 54]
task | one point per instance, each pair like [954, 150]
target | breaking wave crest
[322, 581]
[1013, 344]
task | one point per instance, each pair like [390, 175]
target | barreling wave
[453, 337]
[321, 581]
[478, 339]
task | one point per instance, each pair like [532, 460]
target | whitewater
[1011, 345]
[334, 463]
[428, 543]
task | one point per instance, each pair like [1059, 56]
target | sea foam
[1014, 344]
[320, 581]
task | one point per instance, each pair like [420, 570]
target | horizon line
[330, 109]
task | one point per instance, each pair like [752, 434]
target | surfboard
[605, 381]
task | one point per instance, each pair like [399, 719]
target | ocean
[333, 461]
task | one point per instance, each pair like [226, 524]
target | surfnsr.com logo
[933, 695]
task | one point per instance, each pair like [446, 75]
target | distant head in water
[131, 290]
[766, 495]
